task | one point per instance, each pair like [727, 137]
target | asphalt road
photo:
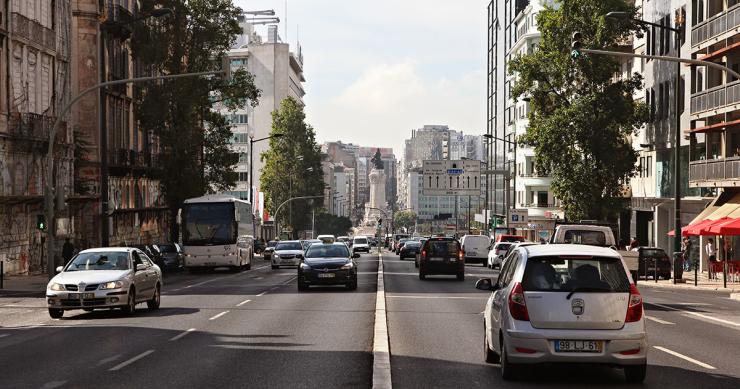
[251, 329]
[254, 329]
[436, 337]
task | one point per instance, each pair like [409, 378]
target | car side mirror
[140, 267]
[485, 284]
[356, 255]
[59, 269]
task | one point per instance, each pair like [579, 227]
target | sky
[376, 69]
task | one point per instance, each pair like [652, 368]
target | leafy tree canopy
[404, 219]
[581, 116]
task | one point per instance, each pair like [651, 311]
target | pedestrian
[68, 250]
[712, 255]
[686, 249]
[634, 244]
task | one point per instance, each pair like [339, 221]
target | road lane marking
[130, 361]
[437, 297]
[290, 280]
[655, 319]
[697, 314]
[4, 335]
[53, 384]
[180, 336]
[224, 277]
[685, 358]
[381, 347]
[262, 294]
[219, 315]
[109, 359]
[242, 303]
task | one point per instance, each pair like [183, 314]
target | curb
[689, 286]
[735, 296]
[381, 346]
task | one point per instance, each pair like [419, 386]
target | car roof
[340, 244]
[290, 241]
[568, 249]
[108, 250]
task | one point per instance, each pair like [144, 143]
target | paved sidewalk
[703, 283]
[20, 285]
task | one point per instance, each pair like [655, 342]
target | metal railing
[33, 31]
[717, 97]
[33, 126]
[716, 25]
[714, 169]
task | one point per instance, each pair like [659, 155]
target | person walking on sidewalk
[686, 249]
[712, 255]
[68, 250]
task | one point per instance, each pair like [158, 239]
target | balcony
[34, 127]
[709, 173]
[717, 100]
[712, 29]
[33, 31]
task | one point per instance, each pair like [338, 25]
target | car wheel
[274, 267]
[155, 301]
[56, 313]
[416, 264]
[461, 276]
[489, 355]
[302, 286]
[248, 266]
[422, 275]
[509, 371]
[635, 373]
[666, 276]
[130, 307]
[352, 285]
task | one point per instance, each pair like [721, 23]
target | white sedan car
[564, 304]
[105, 278]
[287, 253]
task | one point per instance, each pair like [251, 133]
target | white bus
[217, 231]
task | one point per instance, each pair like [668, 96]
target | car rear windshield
[412, 244]
[327, 251]
[503, 246]
[653, 253]
[360, 240]
[99, 261]
[272, 243]
[566, 274]
[591, 238]
[289, 246]
[442, 247]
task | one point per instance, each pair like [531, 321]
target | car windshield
[327, 251]
[566, 274]
[412, 244]
[653, 253]
[360, 241]
[503, 246]
[289, 246]
[442, 247]
[272, 243]
[208, 224]
[591, 238]
[99, 261]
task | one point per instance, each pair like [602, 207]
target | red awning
[698, 229]
[726, 227]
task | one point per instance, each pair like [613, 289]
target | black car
[654, 261]
[259, 246]
[152, 251]
[328, 264]
[410, 249]
[442, 255]
[172, 256]
[269, 250]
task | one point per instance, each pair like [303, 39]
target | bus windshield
[208, 224]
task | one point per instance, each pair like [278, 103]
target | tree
[292, 166]
[581, 117]
[193, 138]
[404, 219]
[332, 224]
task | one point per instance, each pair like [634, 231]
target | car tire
[489, 355]
[56, 313]
[154, 303]
[509, 371]
[422, 275]
[416, 264]
[461, 276]
[635, 374]
[352, 285]
[302, 287]
[666, 276]
[274, 267]
[130, 307]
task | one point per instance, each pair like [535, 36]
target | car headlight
[56, 287]
[347, 266]
[112, 285]
[305, 267]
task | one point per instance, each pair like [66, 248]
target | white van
[475, 248]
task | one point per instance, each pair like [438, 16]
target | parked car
[360, 243]
[108, 277]
[287, 253]
[152, 251]
[442, 255]
[172, 256]
[475, 248]
[497, 253]
[269, 250]
[564, 303]
[328, 264]
[400, 244]
[259, 246]
[654, 261]
[410, 249]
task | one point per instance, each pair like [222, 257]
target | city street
[254, 329]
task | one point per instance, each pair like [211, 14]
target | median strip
[381, 347]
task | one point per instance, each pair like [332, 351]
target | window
[235, 62]
[243, 158]
[243, 176]
[238, 119]
[649, 166]
[641, 167]
[240, 138]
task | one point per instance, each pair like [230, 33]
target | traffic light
[41, 222]
[576, 45]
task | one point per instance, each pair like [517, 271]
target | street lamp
[252, 141]
[620, 15]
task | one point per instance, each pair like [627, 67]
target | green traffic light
[575, 54]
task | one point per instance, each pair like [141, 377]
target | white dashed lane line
[242, 303]
[262, 294]
[180, 336]
[4, 335]
[698, 315]
[219, 315]
[685, 358]
[130, 361]
[655, 319]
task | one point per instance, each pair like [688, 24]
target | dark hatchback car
[654, 261]
[152, 251]
[328, 264]
[410, 249]
[442, 255]
[172, 256]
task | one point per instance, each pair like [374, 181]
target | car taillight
[634, 309]
[461, 255]
[517, 305]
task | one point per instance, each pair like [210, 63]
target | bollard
[677, 266]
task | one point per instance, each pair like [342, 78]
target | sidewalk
[24, 286]
[703, 283]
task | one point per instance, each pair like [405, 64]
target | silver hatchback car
[564, 304]
[110, 277]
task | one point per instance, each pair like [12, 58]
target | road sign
[518, 218]
[449, 178]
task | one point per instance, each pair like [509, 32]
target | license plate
[578, 346]
[436, 259]
[326, 275]
[77, 296]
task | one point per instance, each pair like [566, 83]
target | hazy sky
[375, 69]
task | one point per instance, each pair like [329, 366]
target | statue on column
[377, 161]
